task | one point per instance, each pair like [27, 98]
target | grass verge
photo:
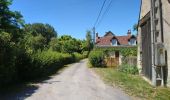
[133, 85]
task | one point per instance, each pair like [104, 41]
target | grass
[133, 85]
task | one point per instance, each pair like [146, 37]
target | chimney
[129, 33]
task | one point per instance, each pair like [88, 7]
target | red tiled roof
[123, 40]
[106, 40]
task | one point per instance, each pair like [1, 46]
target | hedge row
[39, 64]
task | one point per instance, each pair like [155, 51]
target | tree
[135, 27]
[46, 30]
[54, 45]
[9, 19]
[89, 43]
[69, 44]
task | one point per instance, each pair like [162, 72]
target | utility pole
[93, 35]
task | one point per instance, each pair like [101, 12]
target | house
[110, 40]
[153, 40]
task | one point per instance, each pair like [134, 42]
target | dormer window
[114, 42]
[132, 41]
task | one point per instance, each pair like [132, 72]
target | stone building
[110, 40]
[153, 38]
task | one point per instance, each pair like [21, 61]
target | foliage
[7, 58]
[129, 69]
[9, 19]
[54, 44]
[125, 51]
[69, 44]
[46, 30]
[133, 85]
[29, 51]
[43, 63]
[85, 54]
[96, 58]
[33, 43]
[135, 27]
[77, 56]
[89, 43]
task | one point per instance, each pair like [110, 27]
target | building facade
[110, 40]
[154, 42]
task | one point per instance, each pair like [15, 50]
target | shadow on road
[19, 92]
[24, 90]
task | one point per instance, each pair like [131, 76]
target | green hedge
[28, 67]
[44, 63]
[96, 58]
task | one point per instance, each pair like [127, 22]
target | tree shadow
[19, 92]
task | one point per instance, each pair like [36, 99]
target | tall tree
[9, 19]
[89, 43]
[46, 30]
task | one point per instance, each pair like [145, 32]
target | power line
[106, 11]
[100, 13]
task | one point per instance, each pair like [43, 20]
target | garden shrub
[96, 58]
[129, 69]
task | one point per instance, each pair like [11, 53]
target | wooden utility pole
[93, 35]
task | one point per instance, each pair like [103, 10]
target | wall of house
[166, 31]
[145, 8]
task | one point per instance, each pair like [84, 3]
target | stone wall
[145, 8]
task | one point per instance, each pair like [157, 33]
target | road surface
[77, 82]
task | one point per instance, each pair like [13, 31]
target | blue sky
[74, 17]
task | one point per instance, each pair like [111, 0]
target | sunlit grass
[133, 85]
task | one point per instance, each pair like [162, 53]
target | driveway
[77, 82]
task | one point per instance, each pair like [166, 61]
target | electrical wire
[100, 13]
[106, 11]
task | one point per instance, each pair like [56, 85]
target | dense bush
[85, 54]
[96, 58]
[129, 69]
[77, 56]
[7, 58]
[44, 63]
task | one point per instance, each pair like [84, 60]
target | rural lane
[77, 82]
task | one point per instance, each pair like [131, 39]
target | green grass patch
[134, 85]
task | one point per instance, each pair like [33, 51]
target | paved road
[76, 82]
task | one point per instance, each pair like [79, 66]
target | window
[132, 42]
[114, 42]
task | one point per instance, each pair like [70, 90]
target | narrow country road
[76, 82]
